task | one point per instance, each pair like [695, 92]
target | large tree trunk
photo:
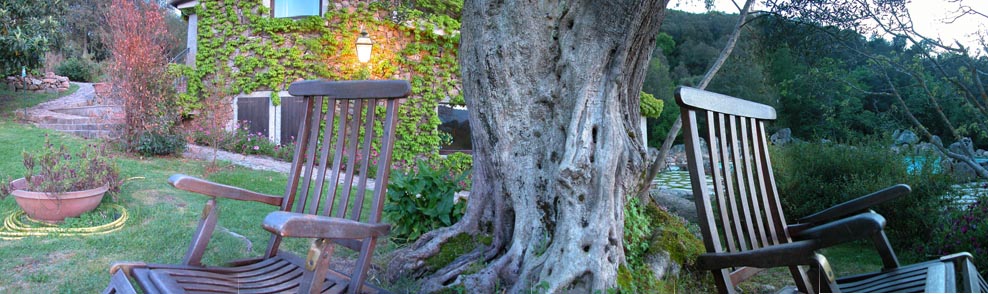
[552, 89]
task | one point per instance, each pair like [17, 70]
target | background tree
[83, 29]
[553, 91]
[660, 163]
[918, 73]
[28, 29]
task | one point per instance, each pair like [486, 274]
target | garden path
[248, 161]
[79, 113]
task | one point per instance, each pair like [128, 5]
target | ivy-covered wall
[242, 50]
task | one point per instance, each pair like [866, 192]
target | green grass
[161, 222]
[846, 259]
[10, 100]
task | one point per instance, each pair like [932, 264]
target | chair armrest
[291, 224]
[197, 185]
[795, 253]
[856, 205]
[856, 227]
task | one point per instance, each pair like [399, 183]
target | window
[454, 122]
[295, 8]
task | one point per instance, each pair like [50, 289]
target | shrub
[78, 70]
[816, 176]
[242, 141]
[422, 199]
[153, 143]
[139, 73]
[966, 229]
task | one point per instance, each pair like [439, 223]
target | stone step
[63, 119]
[91, 134]
[81, 126]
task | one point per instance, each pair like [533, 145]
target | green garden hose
[15, 228]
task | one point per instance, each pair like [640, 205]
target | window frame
[272, 8]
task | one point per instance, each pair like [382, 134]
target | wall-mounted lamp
[364, 46]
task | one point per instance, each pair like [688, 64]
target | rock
[782, 137]
[62, 79]
[964, 146]
[924, 147]
[981, 153]
[49, 80]
[906, 137]
[677, 201]
[49, 75]
[661, 265]
[35, 81]
[963, 172]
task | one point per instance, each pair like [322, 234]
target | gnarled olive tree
[552, 88]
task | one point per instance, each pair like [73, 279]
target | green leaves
[27, 30]
[423, 199]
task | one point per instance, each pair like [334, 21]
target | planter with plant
[58, 184]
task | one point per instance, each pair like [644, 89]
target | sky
[928, 16]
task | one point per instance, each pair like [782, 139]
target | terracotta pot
[54, 208]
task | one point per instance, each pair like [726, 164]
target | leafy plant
[152, 143]
[965, 229]
[78, 70]
[649, 231]
[28, 29]
[56, 170]
[423, 199]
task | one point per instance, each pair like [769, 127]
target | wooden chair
[745, 230]
[306, 210]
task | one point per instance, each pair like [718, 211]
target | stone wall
[50, 83]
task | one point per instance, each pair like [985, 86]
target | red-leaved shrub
[139, 48]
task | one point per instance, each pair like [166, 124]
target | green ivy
[242, 50]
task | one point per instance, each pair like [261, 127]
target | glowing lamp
[364, 46]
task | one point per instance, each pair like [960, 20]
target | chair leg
[119, 284]
[889, 260]
[207, 223]
[822, 276]
[363, 263]
[723, 281]
[317, 266]
[802, 279]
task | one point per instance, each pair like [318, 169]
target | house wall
[244, 53]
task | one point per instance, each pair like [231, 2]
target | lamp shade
[364, 46]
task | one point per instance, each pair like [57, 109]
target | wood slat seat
[745, 231]
[347, 127]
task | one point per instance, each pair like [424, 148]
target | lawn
[161, 218]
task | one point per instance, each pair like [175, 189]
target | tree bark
[660, 161]
[552, 90]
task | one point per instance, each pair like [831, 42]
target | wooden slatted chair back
[346, 138]
[740, 209]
